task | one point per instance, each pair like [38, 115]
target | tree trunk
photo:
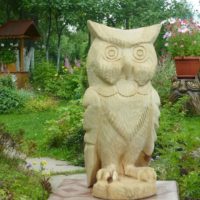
[47, 53]
[127, 23]
[59, 29]
[7, 11]
[48, 33]
[21, 12]
[58, 51]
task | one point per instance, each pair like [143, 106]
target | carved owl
[121, 106]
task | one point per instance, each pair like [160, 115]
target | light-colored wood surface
[121, 112]
[74, 187]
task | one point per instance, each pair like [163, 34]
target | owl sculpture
[121, 111]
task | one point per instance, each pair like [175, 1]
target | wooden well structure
[19, 31]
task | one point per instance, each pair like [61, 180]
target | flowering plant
[182, 37]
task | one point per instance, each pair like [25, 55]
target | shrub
[7, 81]
[39, 103]
[22, 101]
[10, 100]
[67, 131]
[42, 74]
[63, 85]
[162, 79]
[68, 86]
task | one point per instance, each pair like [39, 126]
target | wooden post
[21, 55]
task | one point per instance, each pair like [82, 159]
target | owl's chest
[125, 110]
[119, 104]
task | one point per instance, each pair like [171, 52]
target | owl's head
[117, 54]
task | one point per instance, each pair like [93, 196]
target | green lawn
[34, 126]
[192, 125]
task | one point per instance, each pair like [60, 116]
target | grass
[34, 126]
[192, 125]
[178, 139]
[19, 184]
[79, 171]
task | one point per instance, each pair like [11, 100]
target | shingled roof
[19, 29]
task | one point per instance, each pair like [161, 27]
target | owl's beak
[127, 67]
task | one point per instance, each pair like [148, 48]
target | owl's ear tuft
[154, 31]
[93, 29]
[91, 26]
[126, 37]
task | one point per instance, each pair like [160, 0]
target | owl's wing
[154, 115]
[91, 102]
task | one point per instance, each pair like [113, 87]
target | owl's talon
[141, 173]
[108, 174]
[115, 176]
[147, 174]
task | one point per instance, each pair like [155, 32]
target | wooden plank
[21, 55]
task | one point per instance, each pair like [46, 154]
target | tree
[55, 17]
[42, 10]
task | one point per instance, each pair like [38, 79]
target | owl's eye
[112, 53]
[139, 54]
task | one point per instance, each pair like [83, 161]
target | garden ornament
[121, 112]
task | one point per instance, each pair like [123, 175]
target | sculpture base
[125, 188]
[74, 187]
